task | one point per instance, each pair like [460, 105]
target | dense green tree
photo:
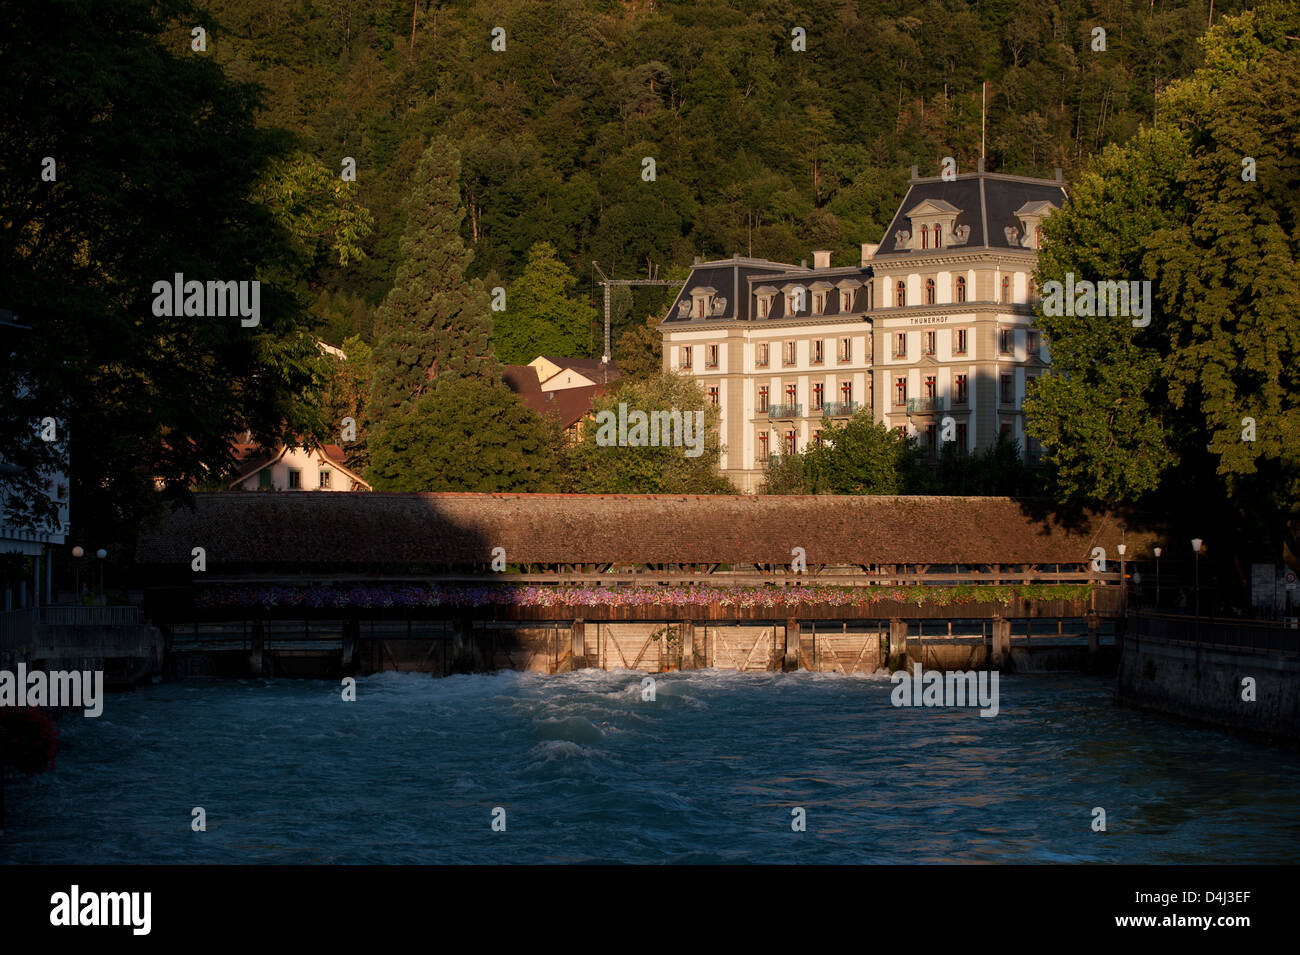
[1197, 411]
[602, 462]
[998, 469]
[540, 317]
[435, 322]
[1096, 414]
[751, 139]
[345, 396]
[157, 162]
[790, 474]
[863, 456]
[315, 206]
[639, 352]
[464, 434]
[339, 315]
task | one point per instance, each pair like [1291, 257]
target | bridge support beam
[259, 647]
[1000, 657]
[578, 647]
[1094, 639]
[688, 644]
[351, 637]
[897, 644]
[791, 645]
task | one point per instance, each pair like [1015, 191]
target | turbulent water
[586, 771]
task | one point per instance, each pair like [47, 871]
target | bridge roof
[304, 529]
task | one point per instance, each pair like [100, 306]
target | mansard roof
[986, 202]
[725, 279]
[738, 281]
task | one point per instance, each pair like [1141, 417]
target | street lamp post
[1123, 583]
[77, 553]
[1157, 553]
[1196, 548]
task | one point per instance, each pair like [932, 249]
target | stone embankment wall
[1210, 684]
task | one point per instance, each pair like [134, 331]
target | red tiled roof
[521, 378]
[394, 529]
[569, 404]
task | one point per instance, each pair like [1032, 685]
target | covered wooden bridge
[620, 580]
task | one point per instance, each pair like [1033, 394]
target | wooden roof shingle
[286, 528]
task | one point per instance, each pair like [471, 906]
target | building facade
[933, 332]
[294, 469]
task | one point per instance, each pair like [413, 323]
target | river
[587, 771]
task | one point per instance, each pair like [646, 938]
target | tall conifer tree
[434, 323]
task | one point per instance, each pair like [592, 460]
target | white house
[295, 469]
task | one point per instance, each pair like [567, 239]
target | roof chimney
[697, 260]
[822, 260]
[915, 169]
[868, 250]
[803, 263]
[1059, 174]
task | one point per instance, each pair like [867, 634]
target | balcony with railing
[839, 409]
[784, 411]
[926, 405]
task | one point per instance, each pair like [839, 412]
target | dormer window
[930, 219]
[796, 300]
[1031, 216]
[765, 294]
[702, 301]
[821, 293]
[847, 288]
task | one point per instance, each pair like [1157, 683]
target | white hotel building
[935, 322]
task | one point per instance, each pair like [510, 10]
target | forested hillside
[758, 147]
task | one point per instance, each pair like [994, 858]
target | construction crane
[607, 282]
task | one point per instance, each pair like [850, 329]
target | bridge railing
[1217, 631]
[76, 616]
